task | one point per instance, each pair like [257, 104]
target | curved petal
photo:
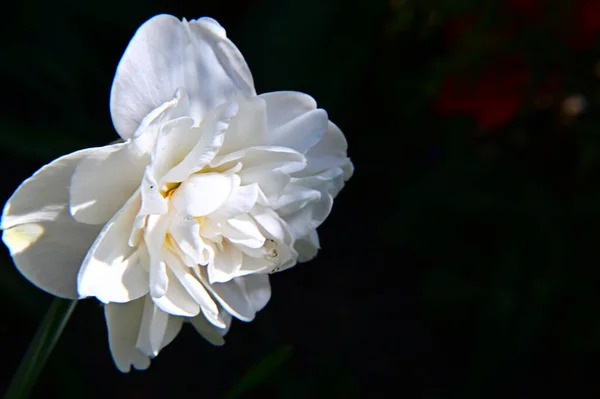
[167, 54]
[104, 181]
[176, 300]
[212, 334]
[204, 193]
[112, 270]
[208, 137]
[157, 329]
[225, 265]
[330, 152]
[307, 247]
[249, 126]
[123, 321]
[243, 296]
[294, 120]
[46, 243]
[308, 218]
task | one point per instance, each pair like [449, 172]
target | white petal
[153, 202]
[194, 288]
[328, 153]
[282, 159]
[112, 271]
[166, 54]
[123, 321]
[294, 120]
[176, 300]
[241, 200]
[248, 128]
[240, 299]
[212, 334]
[156, 324]
[258, 290]
[242, 230]
[186, 233]
[202, 194]
[155, 236]
[306, 219]
[225, 265]
[46, 243]
[144, 138]
[295, 197]
[307, 247]
[175, 140]
[271, 182]
[255, 265]
[272, 224]
[210, 136]
[104, 181]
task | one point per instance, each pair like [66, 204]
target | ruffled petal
[330, 152]
[242, 296]
[167, 54]
[211, 333]
[112, 270]
[202, 194]
[46, 243]
[104, 181]
[123, 321]
[294, 120]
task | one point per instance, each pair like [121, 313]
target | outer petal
[104, 181]
[294, 120]
[308, 246]
[46, 243]
[123, 321]
[212, 334]
[112, 270]
[157, 329]
[167, 54]
[249, 127]
[329, 152]
[242, 296]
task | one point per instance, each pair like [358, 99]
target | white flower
[212, 189]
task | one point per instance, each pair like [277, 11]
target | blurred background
[460, 261]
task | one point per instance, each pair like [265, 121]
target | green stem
[39, 350]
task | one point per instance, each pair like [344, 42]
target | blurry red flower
[529, 7]
[493, 100]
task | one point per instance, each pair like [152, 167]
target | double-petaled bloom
[211, 189]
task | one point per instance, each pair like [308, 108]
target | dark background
[461, 259]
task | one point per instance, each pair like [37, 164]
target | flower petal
[194, 288]
[123, 321]
[166, 54]
[46, 243]
[308, 246]
[104, 181]
[242, 296]
[249, 127]
[212, 334]
[208, 137]
[241, 200]
[176, 300]
[293, 120]
[328, 153]
[201, 194]
[242, 230]
[225, 265]
[157, 329]
[112, 271]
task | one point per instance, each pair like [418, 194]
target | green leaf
[260, 372]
